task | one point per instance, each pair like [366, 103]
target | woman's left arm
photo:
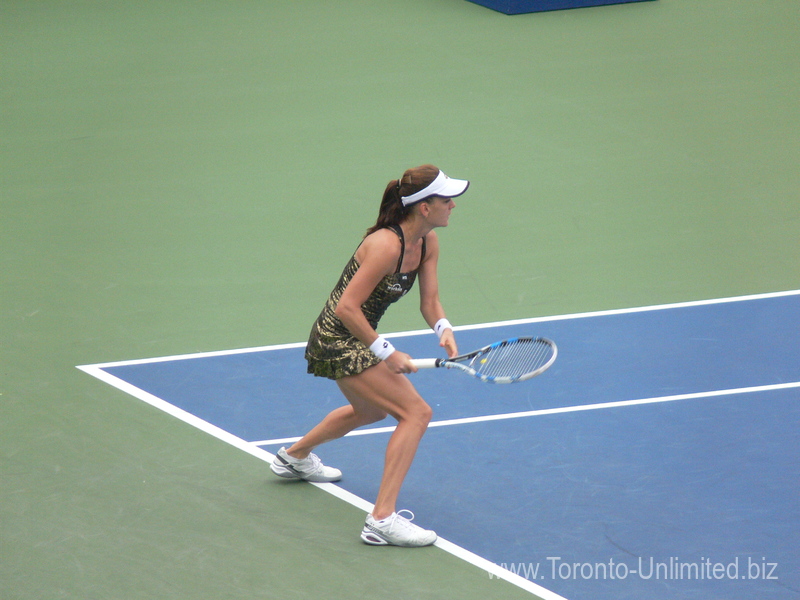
[430, 305]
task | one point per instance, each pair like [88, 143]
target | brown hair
[392, 211]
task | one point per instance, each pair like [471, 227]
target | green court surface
[181, 177]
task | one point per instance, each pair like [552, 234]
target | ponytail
[392, 211]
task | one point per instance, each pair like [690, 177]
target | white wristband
[440, 326]
[382, 348]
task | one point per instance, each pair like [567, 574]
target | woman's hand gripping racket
[509, 361]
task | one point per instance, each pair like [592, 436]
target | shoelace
[313, 465]
[404, 522]
[405, 510]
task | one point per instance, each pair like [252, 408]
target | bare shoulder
[382, 246]
[382, 240]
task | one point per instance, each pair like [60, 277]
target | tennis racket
[509, 361]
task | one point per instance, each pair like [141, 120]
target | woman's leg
[338, 423]
[373, 394]
[394, 394]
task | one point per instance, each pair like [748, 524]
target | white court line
[584, 315]
[564, 409]
[333, 489]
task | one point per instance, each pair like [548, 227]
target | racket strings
[514, 359]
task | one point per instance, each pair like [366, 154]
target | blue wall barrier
[515, 7]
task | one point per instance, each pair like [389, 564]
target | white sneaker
[308, 469]
[396, 530]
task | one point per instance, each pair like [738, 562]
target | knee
[422, 413]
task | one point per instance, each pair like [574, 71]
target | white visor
[441, 186]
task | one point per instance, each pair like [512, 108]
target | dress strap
[399, 231]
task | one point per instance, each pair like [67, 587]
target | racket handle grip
[426, 363]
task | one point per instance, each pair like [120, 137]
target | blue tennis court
[657, 458]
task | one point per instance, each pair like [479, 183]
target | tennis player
[345, 346]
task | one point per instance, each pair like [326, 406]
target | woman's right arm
[377, 257]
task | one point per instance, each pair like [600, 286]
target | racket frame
[463, 361]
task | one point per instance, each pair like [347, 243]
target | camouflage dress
[332, 351]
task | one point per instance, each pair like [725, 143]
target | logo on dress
[398, 288]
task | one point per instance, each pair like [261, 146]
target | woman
[345, 346]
